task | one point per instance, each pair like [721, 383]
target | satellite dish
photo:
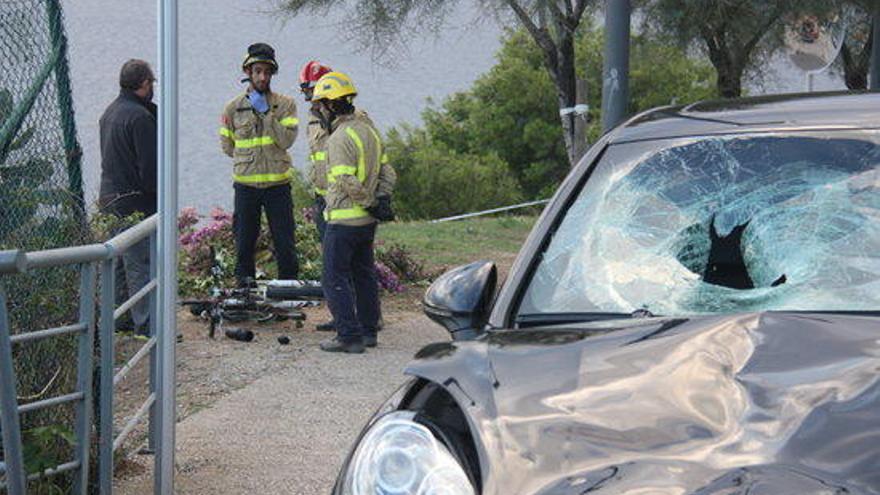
[813, 41]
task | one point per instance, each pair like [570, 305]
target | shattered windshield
[720, 224]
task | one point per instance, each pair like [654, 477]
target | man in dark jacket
[128, 169]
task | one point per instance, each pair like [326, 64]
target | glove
[381, 210]
[258, 101]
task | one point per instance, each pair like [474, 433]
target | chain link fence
[41, 207]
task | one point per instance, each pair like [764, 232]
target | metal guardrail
[88, 258]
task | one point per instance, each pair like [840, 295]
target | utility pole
[167, 247]
[615, 74]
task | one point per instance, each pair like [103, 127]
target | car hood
[762, 403]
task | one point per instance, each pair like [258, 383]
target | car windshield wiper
[535, 319]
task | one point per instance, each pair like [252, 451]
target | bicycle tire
[294, 293]
[239, 315]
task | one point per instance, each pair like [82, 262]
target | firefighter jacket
[318, 134]
[257, 142]
[357, 170]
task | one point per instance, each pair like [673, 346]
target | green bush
[509, 120]
[435, 181]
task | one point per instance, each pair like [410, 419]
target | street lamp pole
[167, 247]
[615, 74]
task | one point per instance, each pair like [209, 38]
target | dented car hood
[759, 403]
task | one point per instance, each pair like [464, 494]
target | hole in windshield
[720, 224]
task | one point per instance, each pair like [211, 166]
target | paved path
[288, 433]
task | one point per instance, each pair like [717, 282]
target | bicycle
[258, 301]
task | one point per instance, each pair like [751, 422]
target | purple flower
[309, 213]
[188, 217]
[221, 215]
[387, 279]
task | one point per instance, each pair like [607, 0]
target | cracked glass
[720, 224]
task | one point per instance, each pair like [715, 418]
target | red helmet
[310, 74]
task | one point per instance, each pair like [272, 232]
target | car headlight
[399, 456]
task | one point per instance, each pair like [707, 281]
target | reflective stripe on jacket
[354, 156]
[317, 154]
[257, 142]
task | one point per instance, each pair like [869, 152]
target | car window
[720, 224]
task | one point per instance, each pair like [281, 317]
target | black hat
[260, 52]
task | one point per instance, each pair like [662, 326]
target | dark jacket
[128, 156]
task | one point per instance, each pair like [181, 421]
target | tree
[510, 113]
[734, 33]
[855, 54]
[551, 24]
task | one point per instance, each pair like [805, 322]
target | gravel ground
[271, 419]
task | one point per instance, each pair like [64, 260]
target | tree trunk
[729, 81]
[566, 86]
[855, 75]
[728, 71]
[856, 63]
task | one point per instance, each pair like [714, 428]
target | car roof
[844, 110]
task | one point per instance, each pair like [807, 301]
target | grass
[458, 242]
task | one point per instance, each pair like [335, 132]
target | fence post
[105, 381]
[154, 357]
[84, 375]
[65, 105]
[16, 478]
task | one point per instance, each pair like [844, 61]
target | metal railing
[88, 258]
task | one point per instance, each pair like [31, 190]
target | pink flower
[188, 217]
[219, 214]
[387, 278]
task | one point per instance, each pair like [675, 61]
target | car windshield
[720, 224]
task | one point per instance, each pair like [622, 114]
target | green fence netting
[41, 207]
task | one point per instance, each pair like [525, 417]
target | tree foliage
[508, 123]
[738, 36]
[551, 24]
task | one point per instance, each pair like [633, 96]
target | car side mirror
[459, 299]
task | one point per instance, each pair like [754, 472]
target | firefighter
[355, 162]
[257, 128]
[317, 133]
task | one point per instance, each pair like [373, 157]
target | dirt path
[288, 431]
[266, 418]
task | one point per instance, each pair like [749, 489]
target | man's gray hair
[134, 73]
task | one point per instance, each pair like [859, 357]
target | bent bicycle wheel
[294, 293]
[239, 315]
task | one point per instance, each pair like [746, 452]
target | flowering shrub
[399, 260]
[196, 242]
[197, 235]
[388, 280]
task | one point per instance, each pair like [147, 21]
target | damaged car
[697, 311]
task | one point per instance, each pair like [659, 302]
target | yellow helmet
[334, 86]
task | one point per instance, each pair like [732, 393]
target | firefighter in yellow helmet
[360, 182]
[257, 128]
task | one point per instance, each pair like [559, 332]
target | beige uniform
[357, 170]
[317, 154]
[257, 142]
[318, 136]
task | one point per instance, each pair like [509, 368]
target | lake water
[214, 36]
